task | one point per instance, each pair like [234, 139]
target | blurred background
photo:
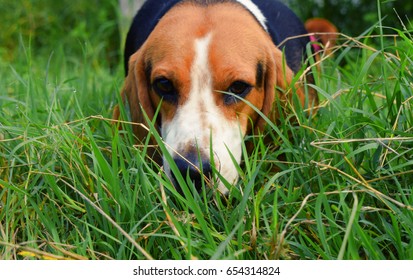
[47, 24]
[353, 17]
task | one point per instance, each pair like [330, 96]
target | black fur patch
[259, 80]
[208, 2]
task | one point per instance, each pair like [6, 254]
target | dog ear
[278, 88]
[135, 94]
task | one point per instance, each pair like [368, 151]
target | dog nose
[192, 168]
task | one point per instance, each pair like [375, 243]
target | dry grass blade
[106, 216]
[365, 184]
[31, 252]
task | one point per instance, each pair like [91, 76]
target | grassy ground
[71, 187]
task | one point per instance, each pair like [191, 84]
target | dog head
[209, 69]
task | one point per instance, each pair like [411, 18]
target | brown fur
[323, 30]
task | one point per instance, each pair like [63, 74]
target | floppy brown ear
[135, 94]
[278, 79]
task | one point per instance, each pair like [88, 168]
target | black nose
[192, 169]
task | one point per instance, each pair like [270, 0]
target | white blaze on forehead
[199, 120]
[253, 8]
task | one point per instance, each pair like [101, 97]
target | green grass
[334, 186]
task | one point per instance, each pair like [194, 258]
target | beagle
[208, 66]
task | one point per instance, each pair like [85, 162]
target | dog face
[199, 71]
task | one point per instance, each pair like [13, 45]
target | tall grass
[337, 185]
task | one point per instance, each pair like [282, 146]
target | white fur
[255, 11]
[199, 120]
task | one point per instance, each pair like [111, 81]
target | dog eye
[239, 88]
[165, 88]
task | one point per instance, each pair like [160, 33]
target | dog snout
[196, 169]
